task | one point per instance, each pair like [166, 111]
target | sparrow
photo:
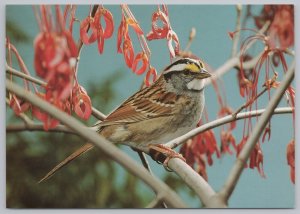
[169, 108]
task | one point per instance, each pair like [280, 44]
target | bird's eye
[186, 72]
[201, 65]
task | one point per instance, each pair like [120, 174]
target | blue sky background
[214, 46]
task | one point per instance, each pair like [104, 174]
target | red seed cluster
[55, 53]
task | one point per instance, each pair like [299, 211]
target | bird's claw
[167, 152]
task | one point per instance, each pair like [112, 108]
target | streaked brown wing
[145, 104]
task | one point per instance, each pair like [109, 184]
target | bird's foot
[163, 154]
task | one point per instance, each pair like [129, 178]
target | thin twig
[236, 37]
[235, 61]
[289, 52]
[155, 203]
[25, 76]
[241, 160]
[245, 105]
[268, 84]
[168, 195]
[191, 39]
[37, 127]
[80, 43]
[229, 64]
[23, 116]
[97, 114]
[144, 161]
[221, 121]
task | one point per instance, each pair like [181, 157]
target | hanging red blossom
[140, 57]
[81, 102]
[140, 62]
[281, 30]
[290, 155]
[88, 22]
[165, 31]
[256, 156]
[109, 22]
[151, 72]
[55, 60]
[257, 160]
[267, 132]
[48, 121]
[201, 146]
[128, 52]
[98, 33]
[227, 139]
[18, 106]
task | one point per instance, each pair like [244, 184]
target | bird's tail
[86, 147]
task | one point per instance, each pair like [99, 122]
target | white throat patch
[196, 84]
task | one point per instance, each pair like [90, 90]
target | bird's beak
[203, 74]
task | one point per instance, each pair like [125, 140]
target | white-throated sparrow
[167, 109]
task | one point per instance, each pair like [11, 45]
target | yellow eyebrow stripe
[192, 67]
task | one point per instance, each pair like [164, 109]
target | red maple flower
[151, 72]
[227, 139]
[281, 30]
[290, 155]
[256, 156]
[199, 147]
[140, 57]
[128, 52]
[257, 160]
[267, 132]
[81, 102]
[109, 22]
[159, 32]
[165, 31]
[140, 62]
[123, 36]
[55, 59]
[121, 33]
[18, 106]
[99, 33]
[88, 22]
[48, 121]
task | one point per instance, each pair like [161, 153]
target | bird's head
[187, 74]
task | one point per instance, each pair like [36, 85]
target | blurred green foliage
[15, 33]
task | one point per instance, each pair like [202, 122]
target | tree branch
[204, 191]
[25, 76]
[155, 203]
[37, 127]
[221, 121]
[197, 183]
[236, 37]
[238, 167]
[23, 116]
[168, 195]
[96, 113]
